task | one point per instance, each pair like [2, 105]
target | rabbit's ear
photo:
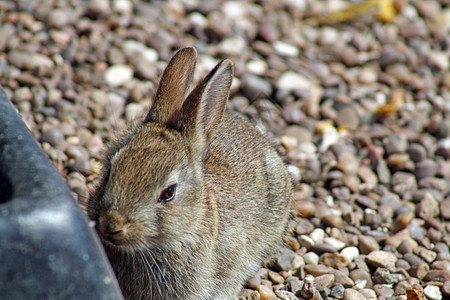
[203, 109]
[173, 87]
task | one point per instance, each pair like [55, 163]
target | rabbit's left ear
[173, 87]
[203, 110]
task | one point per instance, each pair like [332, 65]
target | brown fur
[232, 195]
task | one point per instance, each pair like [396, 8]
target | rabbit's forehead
[150, 160]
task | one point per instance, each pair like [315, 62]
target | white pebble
[317, 235]
[285, 49]
[350, 253]
[232, 46]
[133, 48]
[336, 244]
[311, 258]
[293, 81]
[257, 67]
[117, 75]
[330, 136]
[432, 292]
[295, 173]
[306, 241]
[123, 6]
[198, 19]
[234, 9]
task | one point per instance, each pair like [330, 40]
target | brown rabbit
[193, 198]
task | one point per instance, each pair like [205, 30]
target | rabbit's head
[152, 190]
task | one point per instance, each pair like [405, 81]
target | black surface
[47, 249]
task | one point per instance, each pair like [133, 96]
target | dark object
[47, 250]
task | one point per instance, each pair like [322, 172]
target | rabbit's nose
[112, 227]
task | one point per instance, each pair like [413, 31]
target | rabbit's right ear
[173, 87]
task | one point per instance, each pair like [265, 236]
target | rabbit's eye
[168, 194]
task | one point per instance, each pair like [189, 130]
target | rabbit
[193, 198]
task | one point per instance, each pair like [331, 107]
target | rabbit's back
[252, 189]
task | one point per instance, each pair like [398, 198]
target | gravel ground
[359, 103]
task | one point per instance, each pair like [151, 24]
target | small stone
[383, 291]
[266, 292]
[317, 270]
[295, 284]
[350, 253]
[368, 244]
[351, 294]
[348, 163]
[118, 75]
[335, 243]
[428, 207]
[402, 221]
[419, 270]
[275, 277]
[446, 288]
[417, 152]
[360, 275]
[232, 46]
[427, 255]
[285, 49]
[445, 208]
[325, 280]
[304, 227]
[337, 292]
[285, 295]
[432, 292]
[367, 76]
[396, 143]
[348, 118]
[317, 235]
[255, 87]
[293, 81]
[311, 258]
[254, 281]
[301, 134]
[367, 175]
[437, 275]
[369, 294]
[383, 276]
[333, 221]
[382, 259]
[334, 260]
[58, 18]
[285, 259]
[425, 168]
[53, 136]
[341, 279]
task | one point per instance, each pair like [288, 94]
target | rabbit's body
[191, 203]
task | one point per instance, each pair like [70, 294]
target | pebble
[334, 260]
[337, 292]
[322, 281]
[361, 275]
[53, 136]
[351, 294]
[266, 292]
[350, 253]
[367, 244]
[416, 152]
[419, 270]
[311, 258]
[285, 49]
[348, 163]
[382, 259]
[255, 87]
[425, 168]
[383, 291]
[333, 221]
[317, 235]
[347, 118]
[432, 292]
[437, 275]
[293, 81]
[335, 243]
[428, 207]
[118, 75]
